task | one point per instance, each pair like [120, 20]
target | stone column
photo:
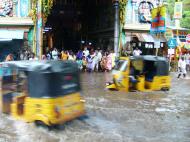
[39, 30]
[116, 27]
[15, 3]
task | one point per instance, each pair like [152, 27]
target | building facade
[137, 28]
[16, 27]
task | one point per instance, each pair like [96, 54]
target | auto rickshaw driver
[132, 77]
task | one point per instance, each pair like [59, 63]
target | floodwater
[115, 116]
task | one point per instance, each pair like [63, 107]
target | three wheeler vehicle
[45, 92]
[142, 73]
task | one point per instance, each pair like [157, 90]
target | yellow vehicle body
[50, 111]
[50, 97]
[121, 75]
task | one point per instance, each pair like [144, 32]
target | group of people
[21, 55]
[87, 59]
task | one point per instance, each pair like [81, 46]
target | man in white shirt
[86, 52]
[137, 52]
[55, 54]
[182, 67]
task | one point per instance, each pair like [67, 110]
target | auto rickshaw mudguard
[111, 86]
[43, 118]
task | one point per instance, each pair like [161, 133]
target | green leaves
[186, 12]
[186, 19]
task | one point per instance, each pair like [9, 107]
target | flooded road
[115, 116]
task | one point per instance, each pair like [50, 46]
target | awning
[161, 38]
[140, 37]
[11, 34]
[145, 37]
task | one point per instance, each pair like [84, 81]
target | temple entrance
[74, 23]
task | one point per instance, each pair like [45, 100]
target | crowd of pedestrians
[87, 59]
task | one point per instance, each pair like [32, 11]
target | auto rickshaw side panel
[54, 97]
[7, 88]
[159, 83]
[54, 110]
[121, 74]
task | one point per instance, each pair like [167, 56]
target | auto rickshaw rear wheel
[40, 123]
[165, 89]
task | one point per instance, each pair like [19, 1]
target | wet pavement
[115, 116]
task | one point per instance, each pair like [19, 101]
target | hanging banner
[178, 10]
[169, 34]
[162, 17]
[154, 22]
[158, 20]
[187, 46]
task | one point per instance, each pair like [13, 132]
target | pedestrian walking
[188, 63]
[182, 67]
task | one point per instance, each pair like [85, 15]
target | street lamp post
[116, 27]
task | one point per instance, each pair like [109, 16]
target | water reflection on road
[116, 116]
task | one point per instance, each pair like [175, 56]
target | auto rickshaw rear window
[52, 84]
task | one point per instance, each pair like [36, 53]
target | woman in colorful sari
[103, 62]
[109, 62]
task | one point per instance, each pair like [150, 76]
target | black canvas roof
[149, 58]
[42, 66]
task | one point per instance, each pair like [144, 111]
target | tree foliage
[186, 12]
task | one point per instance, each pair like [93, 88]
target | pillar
[39, 30]
[116, 26]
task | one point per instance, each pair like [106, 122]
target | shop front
[16, 34]
[16, 27]
[138, 36]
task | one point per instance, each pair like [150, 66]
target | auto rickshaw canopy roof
[47, 78]
[150, 62]
[149, 58]
[42, 66]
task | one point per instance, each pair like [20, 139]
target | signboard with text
[187, 44]
[178, 10]
[172, 43]
[188, 38]
[169, 34]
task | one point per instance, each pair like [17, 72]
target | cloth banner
[158, 24]
[187, 46]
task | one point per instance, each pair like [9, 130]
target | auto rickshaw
[45, 92]
[142, 73]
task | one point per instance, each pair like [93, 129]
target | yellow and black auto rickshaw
[142, 73]
[46, 92]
